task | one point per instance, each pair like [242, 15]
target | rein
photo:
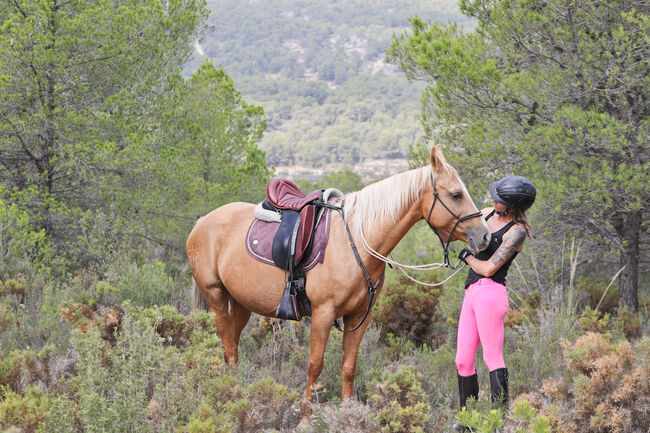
[372, 288]
[459, 219]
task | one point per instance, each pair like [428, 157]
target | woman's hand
[513, 241]
[464, 253]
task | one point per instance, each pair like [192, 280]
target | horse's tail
[198, 301]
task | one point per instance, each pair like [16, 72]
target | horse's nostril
[486, 238]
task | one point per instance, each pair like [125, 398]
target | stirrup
[288, 308]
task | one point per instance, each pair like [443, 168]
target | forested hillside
[318, 69]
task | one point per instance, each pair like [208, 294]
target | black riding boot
[467, 387]
[499, 385]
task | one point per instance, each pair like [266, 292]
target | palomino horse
[234, 284]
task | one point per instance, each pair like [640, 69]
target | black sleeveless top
[495, 243]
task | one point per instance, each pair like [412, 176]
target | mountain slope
[318, 70]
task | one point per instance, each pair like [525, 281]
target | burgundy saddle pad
[259, 241]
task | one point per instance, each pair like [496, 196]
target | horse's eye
[456, 195]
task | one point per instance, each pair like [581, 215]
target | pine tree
[554, 90]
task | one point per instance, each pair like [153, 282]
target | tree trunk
[628, 283]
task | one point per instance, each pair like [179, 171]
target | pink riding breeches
[481, 321]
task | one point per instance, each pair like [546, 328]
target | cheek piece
[459, 219]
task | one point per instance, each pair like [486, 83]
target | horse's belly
[258, 287]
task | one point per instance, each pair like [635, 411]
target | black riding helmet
[514, 191]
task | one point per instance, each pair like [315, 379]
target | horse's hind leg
[218, 299]
[239, 317]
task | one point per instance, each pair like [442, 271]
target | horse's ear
[438, 160]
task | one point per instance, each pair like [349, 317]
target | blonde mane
[386, 199]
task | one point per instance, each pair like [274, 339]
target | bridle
[459, 219]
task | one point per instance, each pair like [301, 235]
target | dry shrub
[558, 390]
[88, 313]
[174, 328]
[265, 404]
[7, 318]
[610, 391]
[597, 291]
[78, 314]
[609, 418]
[513, 318]
[16, 286]
[20, 369]
[351, 416]
[409, 311]
[580, 355]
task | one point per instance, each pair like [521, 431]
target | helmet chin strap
[504, 213]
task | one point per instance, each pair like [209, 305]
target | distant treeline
[318, 70]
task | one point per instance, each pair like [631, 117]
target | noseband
[459, 219]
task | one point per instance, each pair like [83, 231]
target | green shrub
[525, 419]
[61, 416]
[145, 285]
[593, 321]
[117, 382]
[33, 319]
[481, 422]
[206, 420]
[402, 405]
[280, 349]
[25, 412]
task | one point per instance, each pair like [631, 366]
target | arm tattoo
[509, 246]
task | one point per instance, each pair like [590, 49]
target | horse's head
[448, 208]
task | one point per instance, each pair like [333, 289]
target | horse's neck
[388, 209]
[384, 236]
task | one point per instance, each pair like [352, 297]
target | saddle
[297, 214]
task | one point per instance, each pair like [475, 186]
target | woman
[486, 301]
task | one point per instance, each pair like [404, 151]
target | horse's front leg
[351, 342]
[321, 323]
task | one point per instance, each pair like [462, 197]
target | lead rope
[430, 284]
[375, 254]
[391, 261]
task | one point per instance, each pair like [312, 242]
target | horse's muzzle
[478, 240]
